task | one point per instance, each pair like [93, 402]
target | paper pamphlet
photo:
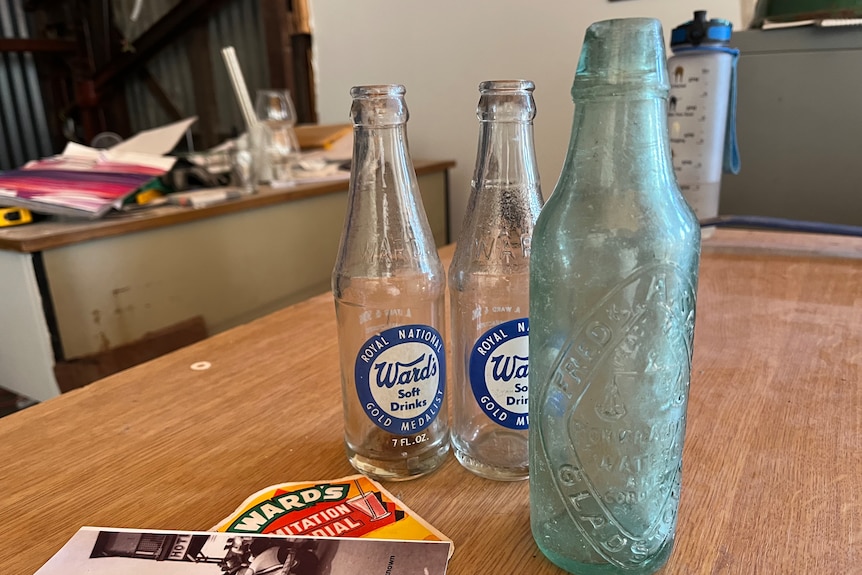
[103, 551]
[156, 141]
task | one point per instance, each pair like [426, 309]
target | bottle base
[401, 469]
[579, 568]
[494, 455]
[489, 472]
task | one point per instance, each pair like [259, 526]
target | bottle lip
[622, 57]
[378, 105]
[492, 86]
[378, 90]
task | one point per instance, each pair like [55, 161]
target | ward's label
[353, 506]
[401, 378]
[499, 367]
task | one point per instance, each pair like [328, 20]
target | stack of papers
[86, 182]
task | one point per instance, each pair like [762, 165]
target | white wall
[441, 49]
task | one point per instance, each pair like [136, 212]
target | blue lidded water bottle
[702, 110]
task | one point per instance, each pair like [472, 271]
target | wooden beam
[287, 34]
[203, 80]
[159, 94]
[159, 35]
[304, 93]
[279, 47]
[301, 17]
[36, 45]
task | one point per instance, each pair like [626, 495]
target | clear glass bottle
[389, 287]
[488, 288]
[613, 278]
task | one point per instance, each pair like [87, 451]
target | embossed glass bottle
[613, 277]
[389, 287]
[488, 288]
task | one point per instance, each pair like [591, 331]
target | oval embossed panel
[613, 416]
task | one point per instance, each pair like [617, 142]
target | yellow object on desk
[316, 136]
[15, 216]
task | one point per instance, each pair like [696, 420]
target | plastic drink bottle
[702, 110]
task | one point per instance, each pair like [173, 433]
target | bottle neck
[619, 144]
[381, 160]
[505, 157]
[387, 230]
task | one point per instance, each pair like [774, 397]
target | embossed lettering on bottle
[627, 364]
[489, 288]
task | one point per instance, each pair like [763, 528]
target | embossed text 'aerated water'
[613, 277]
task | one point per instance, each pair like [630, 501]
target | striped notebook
[80, 182]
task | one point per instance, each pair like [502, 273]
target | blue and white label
[401, 378]
[499, 367]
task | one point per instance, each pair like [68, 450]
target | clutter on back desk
[86, 182]
[325, 157]
[199, 170]
[204, 197]
[201, 179]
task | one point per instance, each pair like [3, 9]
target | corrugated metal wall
[236, 24]
[149, 12]
[24, 131]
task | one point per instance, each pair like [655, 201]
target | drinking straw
[365, 501]
[239, 88]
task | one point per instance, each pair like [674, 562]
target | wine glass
[279, 144]
[275, 106]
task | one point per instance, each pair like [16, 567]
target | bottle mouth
[495, 86]
[379, 105]
[506, 101]
[622, 56]
[378, 90]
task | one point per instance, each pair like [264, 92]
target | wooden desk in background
[772, 463]
[82, 300]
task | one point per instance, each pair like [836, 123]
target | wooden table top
[772, 479]
[55, 233]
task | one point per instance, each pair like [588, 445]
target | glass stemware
[278, 142]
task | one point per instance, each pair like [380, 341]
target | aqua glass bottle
[389, 286]
[488, 288]
[613, 278]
